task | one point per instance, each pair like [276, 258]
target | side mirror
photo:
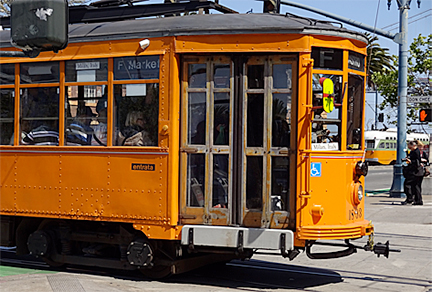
[39, 25]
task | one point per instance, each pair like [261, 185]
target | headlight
[361, 168]
[358, 193]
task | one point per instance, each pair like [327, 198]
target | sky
[370, 12]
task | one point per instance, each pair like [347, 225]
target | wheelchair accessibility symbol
[315, 169]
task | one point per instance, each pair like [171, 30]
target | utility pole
[397, 189]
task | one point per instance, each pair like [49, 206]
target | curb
[376, 192]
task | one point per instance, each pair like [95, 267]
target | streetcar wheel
[158, 272]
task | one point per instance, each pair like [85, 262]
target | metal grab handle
[189, 150]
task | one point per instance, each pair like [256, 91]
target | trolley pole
[397, 188]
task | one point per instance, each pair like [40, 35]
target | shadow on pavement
[256, 274]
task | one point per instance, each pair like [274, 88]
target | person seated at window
[101, 130]
[43, 135]
[133, 134]
[79, 132]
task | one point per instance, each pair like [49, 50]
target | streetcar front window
[355, 112]
[370, 144]
[326, 125]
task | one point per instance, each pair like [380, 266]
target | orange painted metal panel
[243, 43]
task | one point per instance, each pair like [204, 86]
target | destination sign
[419, 99]
[139, 67]
[87, 66]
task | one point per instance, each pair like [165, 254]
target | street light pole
[397, 189]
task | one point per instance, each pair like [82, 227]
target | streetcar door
[206, 140]
[268, 141]
[236, 134]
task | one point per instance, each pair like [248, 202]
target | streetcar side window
[39, 116]
[7, 104]
[81, 114]
[136, 114]
[381, 145]
[7, 107]
[355, 111]
[39, 112]
[136, 104]
[86, 105]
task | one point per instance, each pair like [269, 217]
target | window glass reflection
[84, 114]
[326, 125]
[282, 76]
[7, 108]
[255, 120]
[39, 116]
[196, 180]
[197, 118]
[220, 181]
[42, 72]
[86, 70]
[280, 183]
[355, 112]
[255, 75]
[222, 76]
[281, 126]
[7, 74]
[254, 182]
[136, 114]
[197, 75]
[221, 118]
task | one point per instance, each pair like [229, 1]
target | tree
[419, 77]
[5, 5]
[378, 59]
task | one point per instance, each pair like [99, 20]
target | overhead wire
[413, 21]
[397, 23]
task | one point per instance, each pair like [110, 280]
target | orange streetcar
[168, 143]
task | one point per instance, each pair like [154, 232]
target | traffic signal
[425, 115]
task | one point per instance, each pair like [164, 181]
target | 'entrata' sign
[143, 167]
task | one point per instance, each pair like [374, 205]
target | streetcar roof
[205, 24]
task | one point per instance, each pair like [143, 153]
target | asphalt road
[380, 178]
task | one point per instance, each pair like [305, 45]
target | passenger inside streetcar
[133, 134]
[79, 132]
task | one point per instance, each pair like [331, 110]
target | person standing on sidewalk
[424, 160]
[424, 157]
[413, 173]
